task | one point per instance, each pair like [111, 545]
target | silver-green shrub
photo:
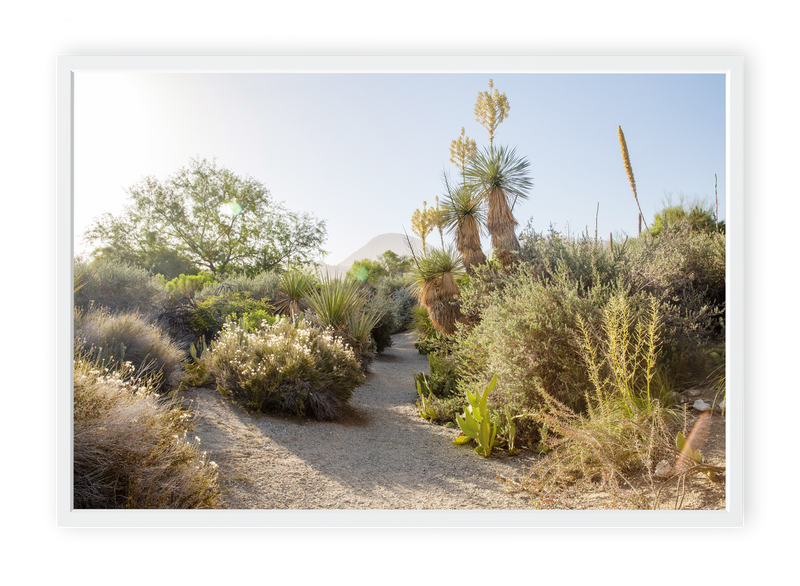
[118, 287]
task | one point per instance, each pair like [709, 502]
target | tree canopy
[699, 216]
[206, 217]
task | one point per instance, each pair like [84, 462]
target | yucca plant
[341, 305]
[433, 283]
[291, 294]
[465, 217]
[500, 179]
[335, 301]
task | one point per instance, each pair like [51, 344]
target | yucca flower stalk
[462, 150]
[491, 108]
[626, 161]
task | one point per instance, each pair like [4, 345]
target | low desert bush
[112, 339]
[288, 367]
[585, 261]
[118, 287]
[132, 450]
[685, 270]
[262, 286]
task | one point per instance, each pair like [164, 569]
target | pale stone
[663, 469]
[701, 405]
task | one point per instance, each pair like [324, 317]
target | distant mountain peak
[373, 249]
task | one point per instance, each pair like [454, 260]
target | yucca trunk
[501, 225]
[440, 297]
[468, 242]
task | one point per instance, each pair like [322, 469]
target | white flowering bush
[133, 449]
[285, 366]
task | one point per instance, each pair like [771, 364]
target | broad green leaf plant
[476, 423]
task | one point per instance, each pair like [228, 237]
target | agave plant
[464, 216]
[500, 178]
[433, 282]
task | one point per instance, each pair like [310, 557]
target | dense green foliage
[210, 315]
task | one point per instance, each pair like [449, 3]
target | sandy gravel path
[382, 456]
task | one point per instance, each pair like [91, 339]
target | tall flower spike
[626, 161]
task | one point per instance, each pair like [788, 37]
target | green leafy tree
[366, 270]
[394, 263]
[213, 219]
[699, 217]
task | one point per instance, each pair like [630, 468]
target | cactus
[425, 404]
[476, 423]
[195, 371]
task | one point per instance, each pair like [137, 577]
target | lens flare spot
[362, 274]
[231, 208]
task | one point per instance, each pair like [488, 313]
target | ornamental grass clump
[285, 367]
[133, 450]
[111, 339]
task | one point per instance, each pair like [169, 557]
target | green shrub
[684, 267]
[209, 316]
[188, 285]
[526, 336]
[132, 450]
[685, 270]
[127, 337]
[584, 261]
[293, 368]
[262, 286]
[118, 287]
[403, 304]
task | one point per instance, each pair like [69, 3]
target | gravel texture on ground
[381, 455]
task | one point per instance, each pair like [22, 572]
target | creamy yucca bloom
[491, 109]
[462, 150]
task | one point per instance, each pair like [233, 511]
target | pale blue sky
[363, 151]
